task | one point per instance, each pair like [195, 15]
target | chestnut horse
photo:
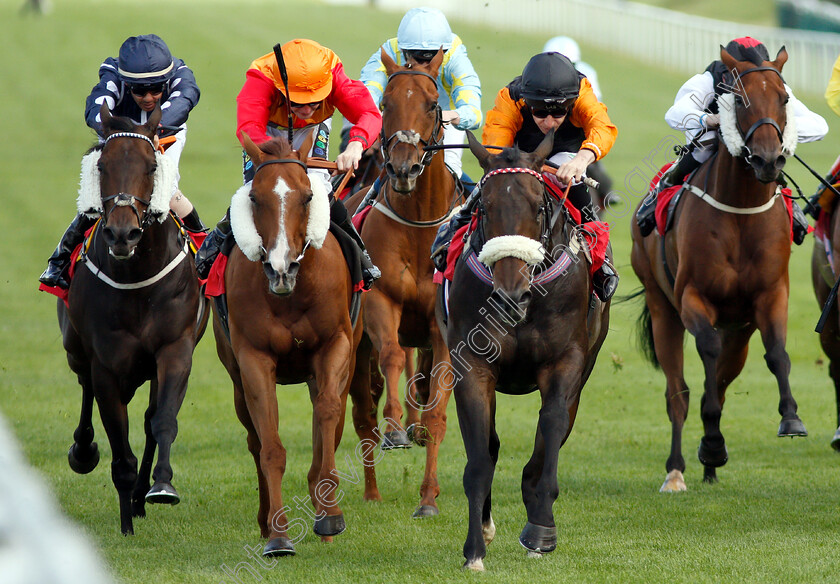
[526, 321]
[289, 295]
[722, 271]
[132, 311]
[400, 309]
[825, 268]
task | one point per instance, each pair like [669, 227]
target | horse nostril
[525, 299]
[134, 235]
[108, 235]
[780, 162]
[389, 168]
[415, 170]
[293, 269]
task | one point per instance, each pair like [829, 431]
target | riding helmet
[748, 49]
[424, 29]
[550, 77]
[145, 60]
[565, 46]
[309, 66]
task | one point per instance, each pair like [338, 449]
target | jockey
[143, 76]
[695, 112]
[421, 33]
[317, 87]
[550, 95]
[568, 46]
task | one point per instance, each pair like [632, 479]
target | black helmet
[550, 77]
[145, 60]
[748, 49]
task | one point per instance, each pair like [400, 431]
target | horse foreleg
[416, 394]
[772, 323]
[332, 369]
[141, 487]
[114, 416]
[364, 417]
[174, 363]
[253, 441]
[432, 428]
[84, 452]
[474, 394]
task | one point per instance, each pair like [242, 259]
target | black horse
[521, 319]
[132, 311]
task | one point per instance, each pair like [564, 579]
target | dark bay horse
[399, 310]
[526, 322]
[132, 311]
[722, 271]
[825, 269]
[289, 295]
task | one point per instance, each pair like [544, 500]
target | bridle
[746, 153]
[411, 137]
[263, 252]
[125, 199]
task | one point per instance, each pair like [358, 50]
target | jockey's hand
[575, 169]
[711, 121]
[450, 117]
[349, 159]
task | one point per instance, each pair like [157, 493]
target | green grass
[772, 517]
[758, 12]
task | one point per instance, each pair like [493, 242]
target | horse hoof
[329, 525]
[82, 462]
[835, 442]
[713, 457]
[163, 493]
[424, 511]
[792, 427]
[395, 439]
[674, 483]
[537, 538]
[418, 434]
[278, 546]
[476, 565]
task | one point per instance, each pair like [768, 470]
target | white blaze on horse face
[278, 256]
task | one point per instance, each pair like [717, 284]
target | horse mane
[277, 147]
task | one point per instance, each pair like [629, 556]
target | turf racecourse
[772, 516]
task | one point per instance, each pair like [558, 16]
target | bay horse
[400, 309]
[722, 271]
[289, 294]
[525, 322]
[132, 311]
[825, 269]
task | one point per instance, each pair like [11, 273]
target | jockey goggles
[142, 89]
[549, 107]
[420, 56]
[313, 105]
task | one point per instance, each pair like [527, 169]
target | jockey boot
[193, 222]
[646, 214]
[440, 246]
[339, 216]
[59, 262]
[800, 223]
[604, 282]
[206, 254]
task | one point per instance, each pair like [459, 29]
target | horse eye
[739, 100]
[307, 200]
[253, 198]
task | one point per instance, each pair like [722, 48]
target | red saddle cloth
[663, 201]
[359, 218]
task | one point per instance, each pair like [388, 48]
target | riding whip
[281, 64]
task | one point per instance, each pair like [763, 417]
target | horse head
[280, 214]
[411, 119]
[516, 217]
[127, 168]
[755, 120]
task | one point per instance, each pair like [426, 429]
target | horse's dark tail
[644, 329]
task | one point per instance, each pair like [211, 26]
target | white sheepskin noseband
[89, 201]
[526, 249]
[732, 136]
[245, 231]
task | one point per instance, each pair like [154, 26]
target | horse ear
[544, 149]
[781, 59]
[252, 149]
[434, 65]
[478, 150]
[303, 151]
[727, 59]
[390, 65]
[105, 115]
[153, 121]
